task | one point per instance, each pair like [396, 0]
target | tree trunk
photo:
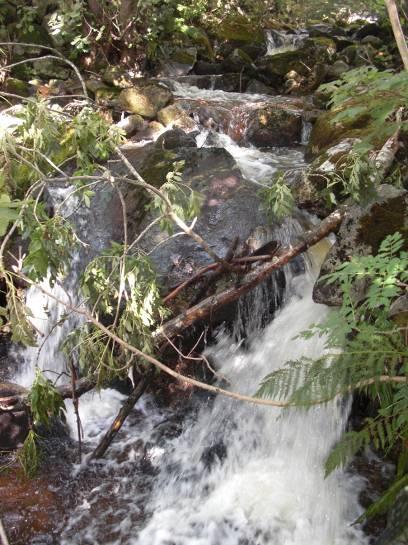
[397, 30]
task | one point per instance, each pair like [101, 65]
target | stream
[223, 472]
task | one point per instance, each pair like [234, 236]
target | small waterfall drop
[238, 473]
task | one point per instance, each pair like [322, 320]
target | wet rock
[131, 124]
[204, 68]
[361, 233]
[257, 87]
[180, 62]
[14, 428]
[214, 454]
[145, 101]
[300, 61]
[396, 532]
[213, 173]
[175, 115]
[176, 138]
[274, 126]
[324, 30]
[237, 61]
[369, 29]
[232, 83]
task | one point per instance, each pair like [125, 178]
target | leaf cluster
[375, 95]
[278, 200]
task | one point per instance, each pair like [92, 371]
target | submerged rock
[361, 233]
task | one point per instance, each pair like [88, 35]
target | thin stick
[120, 418]
[3, 535]
[75, 403]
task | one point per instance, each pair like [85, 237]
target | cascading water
[229, 472]
[238, 473]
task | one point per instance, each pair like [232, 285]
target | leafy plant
[122, 289]
[184, 201]
[45, 400]
[29, 455]
[377, 96]
[278, 199]
[365, 351]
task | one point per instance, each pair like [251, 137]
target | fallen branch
[328, 225]
[117, 424]
[206, 307]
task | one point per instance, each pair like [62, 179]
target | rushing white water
[238, 473]
[280, 41]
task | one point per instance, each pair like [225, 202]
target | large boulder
[274, 125]
[179, 62]
[213, 173]
[361, 233]
[145, 101]
[238, 29]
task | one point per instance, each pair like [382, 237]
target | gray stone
[361, 233]
[375, 41]
[176, 138]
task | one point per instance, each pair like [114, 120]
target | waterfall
[226, 472]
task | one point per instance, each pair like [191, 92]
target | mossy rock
[117, 77]
[16, 86]
[36, 35]
[237, 61]
[274, 126]
[314, 51]
[175, 115]
[146, 101]
[51, 69]
[326, 132]
[238, 28]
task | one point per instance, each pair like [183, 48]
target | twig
[57, 55]
[75, 403]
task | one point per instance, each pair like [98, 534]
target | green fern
[365, 352]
